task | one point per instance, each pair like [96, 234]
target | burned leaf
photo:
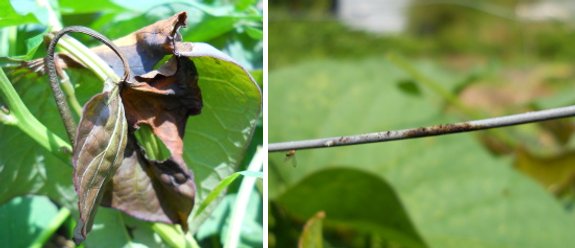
[161, 99]
[143, 48]
[158, 190]
[151, 190]
[147, 46]
[165, 102]
[98, 152]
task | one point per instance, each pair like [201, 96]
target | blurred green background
[449, 61]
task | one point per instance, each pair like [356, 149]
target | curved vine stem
[63, 107]
[412, 133]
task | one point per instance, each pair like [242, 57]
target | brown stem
[63, 107]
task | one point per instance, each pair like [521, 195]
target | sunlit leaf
[32, 45]
[98, 152]
[232, 106]
[19, 12]
[25, 219]
[251, 234]
[27, 168]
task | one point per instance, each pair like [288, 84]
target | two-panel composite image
[287, 123]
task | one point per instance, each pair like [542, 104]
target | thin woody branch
[510, 120]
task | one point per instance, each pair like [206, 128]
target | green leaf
[114, 229]
[32, 45]
[216, 22]
[11, 16]
[232, 106]
[214, 225]
[311, 236]
[255, 33]
[29, 168]
[76, 7]
[214, 194]
[243, 4]
[455, 192]
[409, 87]
[146, 5]
[24, 220]
[211, 27]
[98, 152]
[218, 223]
[353, 198]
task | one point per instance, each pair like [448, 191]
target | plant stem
[70, 93]
[88, 58]
[49, 61]
[173, 236]
[62, 215]
[215, 193]
[242, 200]
[412, 133]
[24, 120]
[150, 143]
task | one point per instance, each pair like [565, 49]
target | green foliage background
[216, 143]
[509, 187]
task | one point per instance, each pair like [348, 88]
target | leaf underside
[98, 152]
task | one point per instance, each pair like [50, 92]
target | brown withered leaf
[98, 152]
[151, 190]
[143, 48]
[165, 102]
[162, 99]
[158, 190]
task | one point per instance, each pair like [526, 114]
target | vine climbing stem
[49, 61]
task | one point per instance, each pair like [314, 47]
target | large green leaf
[24, 218]
[26, 167]
[454, 191]
[338, 191]
[216, 140]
